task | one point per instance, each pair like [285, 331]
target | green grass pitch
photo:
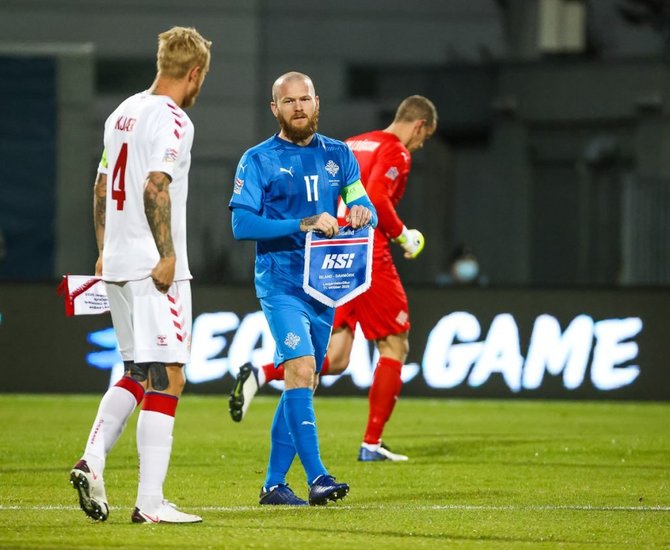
[482, 474]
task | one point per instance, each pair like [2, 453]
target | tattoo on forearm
[99, 207]
[308, 223]
[158, 208]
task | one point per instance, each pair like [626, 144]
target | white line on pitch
[446, 507]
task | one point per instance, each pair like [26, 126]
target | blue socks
[299, 414]
[282, 450]
[299, 428]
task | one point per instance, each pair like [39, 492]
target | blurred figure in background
[464, 269]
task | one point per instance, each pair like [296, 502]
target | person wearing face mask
[385, 160]
[464, 269]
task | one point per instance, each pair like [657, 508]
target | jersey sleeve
[352, 172]
[172, 139]
[391, 165]
[247, 186]
[250, 226]
[103, 165]
[246, 204]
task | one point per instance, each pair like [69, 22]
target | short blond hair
[417, 107]
[179, 50]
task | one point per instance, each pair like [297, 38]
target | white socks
[154, 446]
[115, 408]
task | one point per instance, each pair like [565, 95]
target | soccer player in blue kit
[285, 187]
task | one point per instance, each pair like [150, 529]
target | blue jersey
[279, 180]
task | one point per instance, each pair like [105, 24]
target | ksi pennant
[338, 269]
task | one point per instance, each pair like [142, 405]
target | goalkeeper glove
[412, 242]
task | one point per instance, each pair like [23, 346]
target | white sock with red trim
[115, 408]
[154, 446]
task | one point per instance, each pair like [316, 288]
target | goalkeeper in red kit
[385, 160]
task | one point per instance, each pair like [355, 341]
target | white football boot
[167, 513]
[91, 489]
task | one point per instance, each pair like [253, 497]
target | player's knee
[156, 374]
[302, 380]
[177, 380]
[402, 346]
[299, 373]
[395, 346]
[137, 371]
[338, 364]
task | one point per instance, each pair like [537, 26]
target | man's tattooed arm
[99, 205]
[306, 224]
[324, 223]
[158, 209]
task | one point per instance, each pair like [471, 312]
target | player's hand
[163, 273]
[359, 216]
[324, 223]
[98, 266]
[412, 242]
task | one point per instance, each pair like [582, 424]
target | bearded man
[284, 187]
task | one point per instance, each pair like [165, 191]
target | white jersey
[146, 133]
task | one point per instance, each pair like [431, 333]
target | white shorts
[149, 325]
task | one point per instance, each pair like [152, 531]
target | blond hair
[416, 107]
[179, 50]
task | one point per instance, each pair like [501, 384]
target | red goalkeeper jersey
[385, 163]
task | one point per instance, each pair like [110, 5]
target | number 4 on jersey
[119, 177]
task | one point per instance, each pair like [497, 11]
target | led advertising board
[464, 342]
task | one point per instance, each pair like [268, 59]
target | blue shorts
[300, 326]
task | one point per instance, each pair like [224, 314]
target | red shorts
[382, 310]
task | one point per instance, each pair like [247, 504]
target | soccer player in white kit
[140, 224]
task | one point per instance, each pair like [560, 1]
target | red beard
[296, 135]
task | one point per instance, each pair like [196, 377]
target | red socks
[382, 397]
[272, 373]
[325, 367]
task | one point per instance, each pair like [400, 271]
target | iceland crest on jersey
[332, 168]
[338, 269]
